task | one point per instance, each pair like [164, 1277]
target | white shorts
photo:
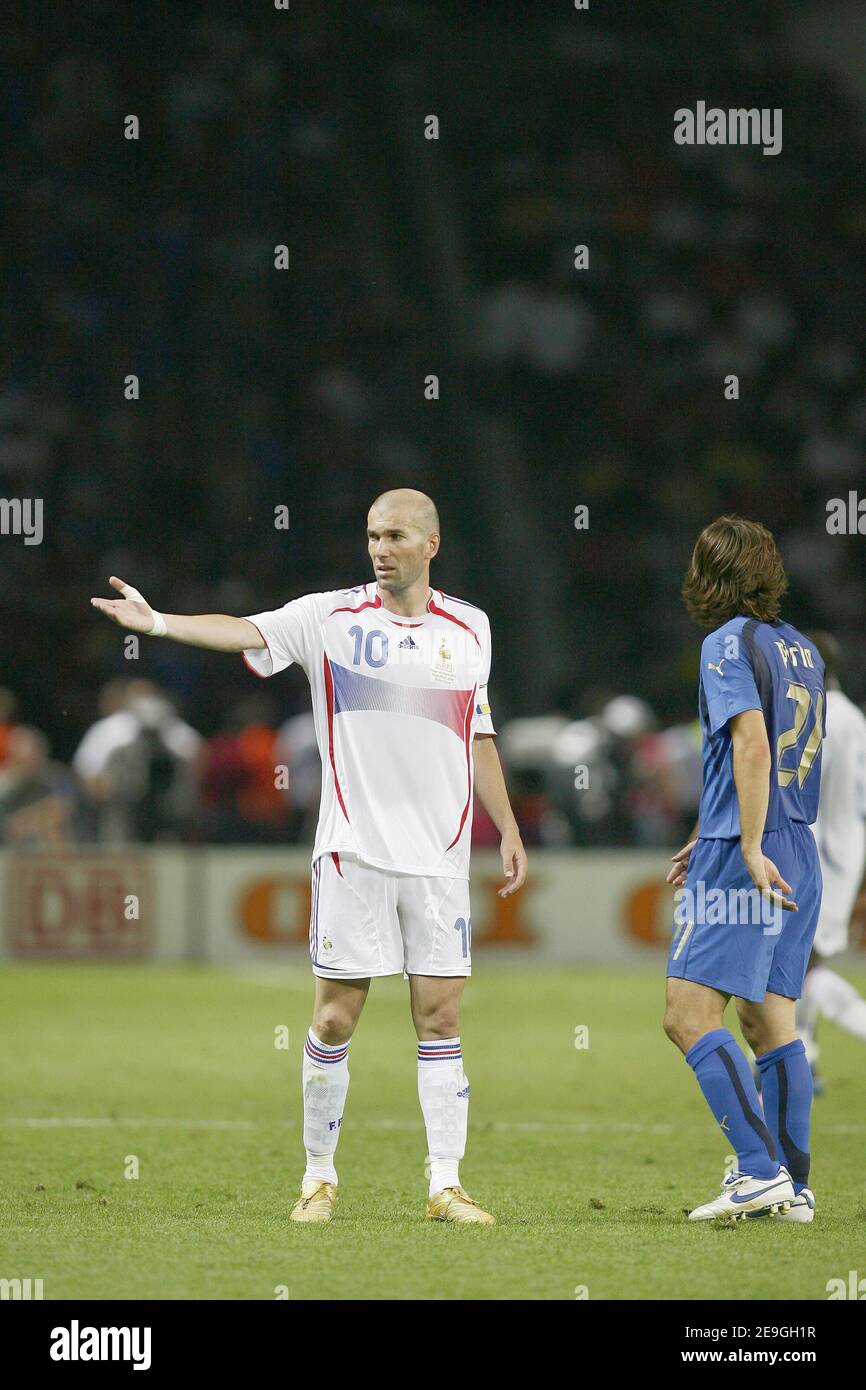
[837, 902]
[831, 935]
[366, 922]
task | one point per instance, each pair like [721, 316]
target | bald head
[402, 538]
[412, 507]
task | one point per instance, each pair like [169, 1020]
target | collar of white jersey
[435, 604]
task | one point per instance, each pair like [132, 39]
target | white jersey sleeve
[482, 718]
[291, 634]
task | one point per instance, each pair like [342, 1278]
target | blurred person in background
[579, 780]
[526, 750]
[606, 774]
[112, 696]
[645, 794]
[37, 796]
[683, 769]
[840, 831]
[139, 769]
[7, 710]
[298, 749]
[241, 800]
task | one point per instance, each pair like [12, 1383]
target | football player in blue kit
[749, 883]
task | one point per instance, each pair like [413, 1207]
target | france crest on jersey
[746, 664]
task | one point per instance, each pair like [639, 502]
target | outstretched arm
[490, 786]
[218, 631]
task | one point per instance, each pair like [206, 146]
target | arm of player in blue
[727, 678]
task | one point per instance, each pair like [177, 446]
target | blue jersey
[746, 664]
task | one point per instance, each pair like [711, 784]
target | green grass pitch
[587, 1157]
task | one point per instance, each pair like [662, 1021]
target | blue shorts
[731, 939]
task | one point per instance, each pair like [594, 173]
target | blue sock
[786, 1084]
[725, 1078]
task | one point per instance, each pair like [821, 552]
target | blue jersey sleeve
[727, 678]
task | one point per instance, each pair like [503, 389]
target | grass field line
[157, 1122]
[499, 1126]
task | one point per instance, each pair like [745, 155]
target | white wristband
[159, 628]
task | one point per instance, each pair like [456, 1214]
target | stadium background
[304, 388]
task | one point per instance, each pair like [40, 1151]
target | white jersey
[840, 828]
[396, 702]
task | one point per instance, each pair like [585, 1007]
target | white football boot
[802, 1209]
[742, 1196]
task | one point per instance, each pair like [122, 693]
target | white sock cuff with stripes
[439, 1051]
[324, 1054]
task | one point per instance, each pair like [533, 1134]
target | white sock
[806, 1021]
[444, 1095]
[326, 1084]
[837, 1000]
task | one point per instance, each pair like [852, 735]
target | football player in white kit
[840, 831]
[398, 673]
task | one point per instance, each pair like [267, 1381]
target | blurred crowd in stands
[603, 387]
[141, 774]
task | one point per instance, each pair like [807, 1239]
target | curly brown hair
[736, 568]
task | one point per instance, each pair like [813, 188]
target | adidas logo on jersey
[408, 642]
